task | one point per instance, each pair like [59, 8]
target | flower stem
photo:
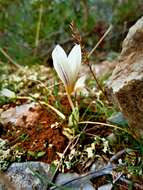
[70, 101]
[97, 82]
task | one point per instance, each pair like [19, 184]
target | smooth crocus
[67, 67]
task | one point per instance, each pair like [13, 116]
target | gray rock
[37, 175]
[133, 41]
[125, 87]
[29, 175]
[75, 185]
[106, 187]
[118, 119]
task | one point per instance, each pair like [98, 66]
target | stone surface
[106, 187]
[15, 115]
[125, 87]
[29, 175]
[37, 175]
[118, 119]
[77, 185]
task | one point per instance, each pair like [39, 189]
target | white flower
[8, 93]
[67, 67]
[80, 83]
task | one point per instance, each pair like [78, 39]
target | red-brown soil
[36, 132]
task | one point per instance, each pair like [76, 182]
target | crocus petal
[60, 63]
[80, 83]
[74, 61]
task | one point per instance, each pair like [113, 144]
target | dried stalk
[99, 42]
[10, 59]
[91, 52]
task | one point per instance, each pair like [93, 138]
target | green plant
[36, 155]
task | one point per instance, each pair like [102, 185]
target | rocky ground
[38, 150]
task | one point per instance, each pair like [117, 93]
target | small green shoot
[36, 155]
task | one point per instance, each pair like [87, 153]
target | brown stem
[90, 53]
[99, 42]
[97, 82]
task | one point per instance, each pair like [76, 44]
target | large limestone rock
[126, 83]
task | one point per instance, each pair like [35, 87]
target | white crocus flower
[67, 67]
[80, 83]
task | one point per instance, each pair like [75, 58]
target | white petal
[7, 93]
[60, 63]
[74, 60]
[80, 83]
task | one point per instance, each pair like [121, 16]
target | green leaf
[74, 117]
[40, 154]
[31, 153]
